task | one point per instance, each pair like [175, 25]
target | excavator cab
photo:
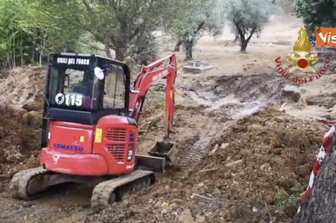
[83, 88]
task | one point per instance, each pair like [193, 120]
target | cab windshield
[74, 87]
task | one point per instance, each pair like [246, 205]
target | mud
[249, 92]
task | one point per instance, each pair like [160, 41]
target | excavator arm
[165, 68]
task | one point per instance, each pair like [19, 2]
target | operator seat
[85, 87]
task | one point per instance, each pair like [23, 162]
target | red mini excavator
[90, 130]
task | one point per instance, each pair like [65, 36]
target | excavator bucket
[165, 150]
[162, 152]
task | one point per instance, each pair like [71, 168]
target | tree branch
[252, 32]
[88, 8]
[200, 26]
[242, 35]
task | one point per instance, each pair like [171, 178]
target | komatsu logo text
[69, 147]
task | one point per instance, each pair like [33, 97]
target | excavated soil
[19, 141]
[21, 98]
[252, 175]
[24, 88]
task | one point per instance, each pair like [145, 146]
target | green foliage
[195, 16]
[190, 19]
[248, 16]
[283, 199]
[52, 22]
[30, 29]
[144, 49]
[316, 13]
[79, 26]
[121, 25]
[251, 13]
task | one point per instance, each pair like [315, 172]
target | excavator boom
[165, 68]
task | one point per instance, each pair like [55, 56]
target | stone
[186, 216]
[292, 92]
[26, 204]
[212, 152]
[197, 67]
[224, 145]
[200, 219]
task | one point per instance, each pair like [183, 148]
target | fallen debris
[212, 152]
[234, 163]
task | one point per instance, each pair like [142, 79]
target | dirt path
[209, 112]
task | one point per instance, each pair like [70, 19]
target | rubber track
[19, 182]
[101, 193]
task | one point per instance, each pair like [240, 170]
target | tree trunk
[244, 41]
[243, 45]
[177, 46]
[14, 61]
[40, 59]
[188, 45]
[120, 53]
[40, 56]
[21, 50]
[9, 62]
[107, 50]
[321, 205]
[236, 39]
[33, 55]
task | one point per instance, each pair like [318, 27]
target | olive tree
[248, 17]
[120, 25]
[192, 19]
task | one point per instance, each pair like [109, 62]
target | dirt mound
[24, 88]
[263, 161]
[22, 97]
[328, 100]
[19, 140]
[254, 173]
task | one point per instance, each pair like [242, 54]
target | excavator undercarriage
[32, 183]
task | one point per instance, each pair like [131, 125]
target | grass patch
[284, 199]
